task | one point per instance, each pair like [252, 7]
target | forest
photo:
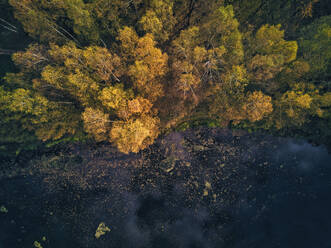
[165, 123]
[124, 72]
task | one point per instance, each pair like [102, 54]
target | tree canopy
[124, 72]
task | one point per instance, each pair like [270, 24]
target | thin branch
[50, 23]
[8, 23]
[65, 102]
[74, 39]
[104, 44]
[8, 28]
[7, 52]
[116, 78]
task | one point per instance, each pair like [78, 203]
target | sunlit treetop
[122, 71]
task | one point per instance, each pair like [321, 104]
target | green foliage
[54, 20]
[37, 244]
[315, 43]
[221, 30]
[3, 209]
[291, 14]
[159, 20]
[268, 54]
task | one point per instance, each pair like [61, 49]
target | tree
[221, 30]
[159, 20]
[295, 107]
[268, 54]
[204, 54]
[32, 60]
[13, 137]
[35, 113]
[188, 57]
[81, 73]
[96, 123]
[149, 66]
[111, 16]
[129, 41]
[315, 45]
[291, 14]
[121, 71]
[135, 134]
[257, 106]
[54, 20]
[115, 97]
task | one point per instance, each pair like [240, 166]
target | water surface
[198, 188]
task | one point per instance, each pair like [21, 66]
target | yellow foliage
[96, 123]
[68, 52]
[199, 54]
[129, 39]
[186, 42]
[236, 74]
[149, 66]
[32, 59]
[159, 20]
[70, 84]
[115, 97]
[139, 105]
[36, 244]
[299, 100]
[296, 106]
[222, 29]
[82, 87]
[304, 101]
[104, 65]
[269, 39]
[107, 66]
[325, 99]
[58, 121]
[41, 19]
[270, 53]
[258, 105]
[151, 23]
[101, 230]
[266, 67]
[135, 134]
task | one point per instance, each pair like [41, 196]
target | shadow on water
[199, 188]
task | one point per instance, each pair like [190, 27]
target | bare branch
[8, 28]
[12, 26]
[7, 52]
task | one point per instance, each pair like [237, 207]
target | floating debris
[37, 244]
[208, 185]
[3, 209]
[101, 230]
[168, 164]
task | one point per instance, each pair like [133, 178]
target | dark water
[202, 188]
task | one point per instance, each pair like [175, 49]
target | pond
[198, 188]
